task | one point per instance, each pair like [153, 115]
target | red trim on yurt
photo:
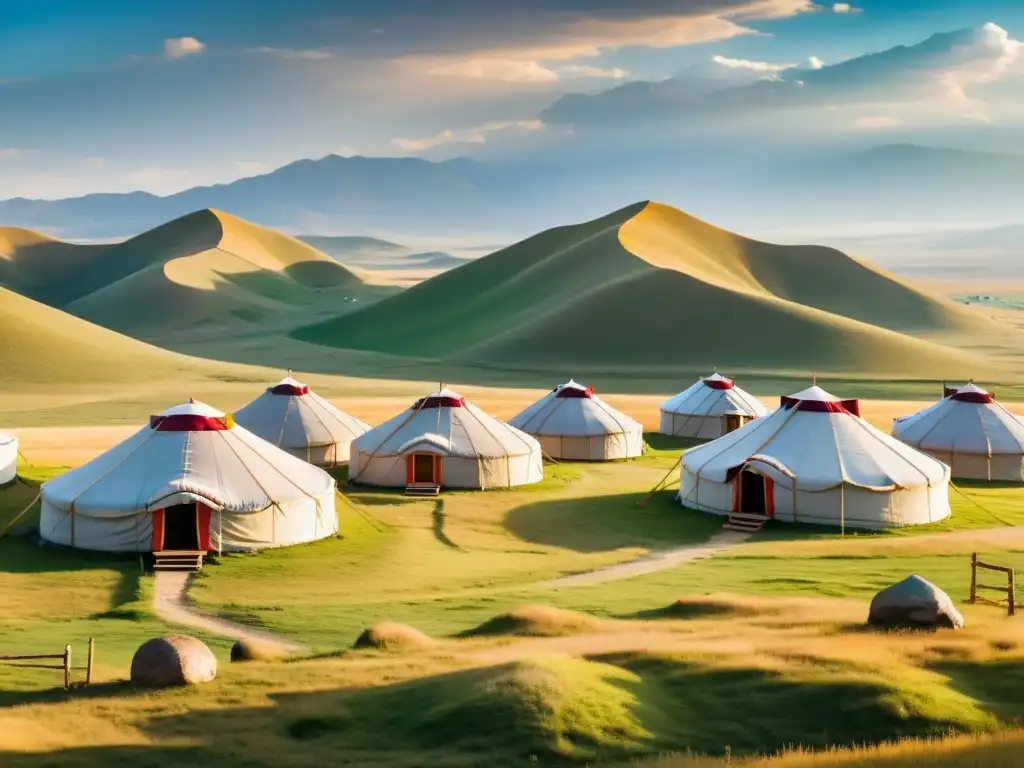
[973, 397]
[187, 422]
[289, 389]
[410, 469]
[439, 401]
[579, 392]
[948, 392]
[158, 530]
[719, 383]
[769, 497]
[851, 407]
[203, 526]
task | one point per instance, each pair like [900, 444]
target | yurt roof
[189, 452]
[445, 418]
[292, 416]
[969, 422]
[581, 413]
[714, 395]
[820, 448]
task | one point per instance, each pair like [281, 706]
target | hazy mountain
[329, 194]
[929, 69]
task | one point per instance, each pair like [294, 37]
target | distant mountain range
[466, 197]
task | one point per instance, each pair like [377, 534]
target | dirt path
[172, 605]
[656, 561]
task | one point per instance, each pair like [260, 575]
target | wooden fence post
[974, 576]
[67, 667]
[1013, 595]
[88, 666]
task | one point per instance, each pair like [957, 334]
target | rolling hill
[206, 266]
[44, 346]
[651, 287]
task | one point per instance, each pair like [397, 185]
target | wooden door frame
[410, 469]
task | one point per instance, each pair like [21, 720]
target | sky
[118, 95]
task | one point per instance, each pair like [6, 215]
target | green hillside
[649, 286]
[204, 266]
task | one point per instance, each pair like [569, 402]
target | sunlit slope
[204, 265]
[43, 346]
[649, 286]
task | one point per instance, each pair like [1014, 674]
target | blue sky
[118, 95]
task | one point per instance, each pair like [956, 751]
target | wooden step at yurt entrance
[738, 521]
[178, 560]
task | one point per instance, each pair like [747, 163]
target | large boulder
[914, 603]
[174, 660]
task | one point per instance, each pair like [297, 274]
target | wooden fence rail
[1009, 590]
[64, 659]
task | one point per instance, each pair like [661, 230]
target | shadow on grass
[118, 688]
[439, 520]
[660, 442]
[996, 684]
[603, 709]
[604, 523]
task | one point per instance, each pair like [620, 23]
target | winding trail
[655, 561]
[171, 604]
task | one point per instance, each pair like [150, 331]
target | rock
[174, 660]
[914, 603]
[255, 650]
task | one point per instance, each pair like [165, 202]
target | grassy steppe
[700, 657]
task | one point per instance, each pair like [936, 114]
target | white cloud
[94, 163]
[766, 67]
[11, 153]
[309, 54]
[476, 135]
[179, 47]
[815, 62]
[987, 57]
[502, 70]
[878, 122]
[529, 61]
[579, 70]
[844, 8]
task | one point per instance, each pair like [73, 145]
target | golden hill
[650, 287]
[205, 265]
[42, 345]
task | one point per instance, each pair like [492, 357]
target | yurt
[573, 423]
[710, 408]
[189, 480]
[8, 459]
[814, 460]
[971, 432]
[299, 421]
[444, 441]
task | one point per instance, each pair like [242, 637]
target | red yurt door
[182, 528]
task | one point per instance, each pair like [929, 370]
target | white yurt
[190, 480]
[814, 460]
[302, 423]
[971, 432]
[8, 459]
[710, 408]
[573, 423]
[444, 441]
